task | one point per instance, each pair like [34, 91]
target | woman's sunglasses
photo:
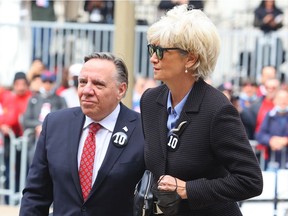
[159, 50]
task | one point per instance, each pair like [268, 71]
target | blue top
[274, 124]
[173, 114]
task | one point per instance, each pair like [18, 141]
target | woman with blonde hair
[196, 145]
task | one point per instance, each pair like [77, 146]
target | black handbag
[167, 201]
[143, 196]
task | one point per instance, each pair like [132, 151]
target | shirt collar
[108, 122]
[178, 108]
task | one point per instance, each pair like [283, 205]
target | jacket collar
[194, 99]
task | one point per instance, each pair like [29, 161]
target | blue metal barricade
[17, 144]
[275, 189]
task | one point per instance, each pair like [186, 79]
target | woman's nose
[154, 58]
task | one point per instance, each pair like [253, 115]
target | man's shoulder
[128, 111]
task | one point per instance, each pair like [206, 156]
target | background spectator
[138, 90]
[64, 84]
[227, 89]
[141, 84]
[273, 132]
[100, 11]
[268, 17]
[267, 72]
[253, 116]
[248, 93]
[70, 94]
[34, 75]
[14, 105]
[40, 104]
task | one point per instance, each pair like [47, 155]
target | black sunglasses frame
[159, 50]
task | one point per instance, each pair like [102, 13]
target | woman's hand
[170, 183]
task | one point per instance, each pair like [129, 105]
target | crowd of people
[255, 102]
[33, 94]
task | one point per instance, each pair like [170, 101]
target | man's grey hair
[120, 65]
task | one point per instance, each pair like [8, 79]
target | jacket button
[83, 209]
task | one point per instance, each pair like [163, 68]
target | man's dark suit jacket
[53, 175]
[214, 156]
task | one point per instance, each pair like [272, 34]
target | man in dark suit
[119, 164]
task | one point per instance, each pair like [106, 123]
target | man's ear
[122, 90]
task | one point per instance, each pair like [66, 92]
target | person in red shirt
[273, 132]
[253, 116]
[267, 72]
[271, 86]
[14, 104]
[4, 94]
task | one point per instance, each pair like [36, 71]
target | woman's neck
[179, 90]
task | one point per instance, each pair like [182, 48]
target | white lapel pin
[125, 129]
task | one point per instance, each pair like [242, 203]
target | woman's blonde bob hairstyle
[192, 31]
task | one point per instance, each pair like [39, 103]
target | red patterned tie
[87, 160]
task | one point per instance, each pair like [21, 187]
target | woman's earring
[186, 71]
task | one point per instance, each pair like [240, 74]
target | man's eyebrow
[81, 78]
[99, 82]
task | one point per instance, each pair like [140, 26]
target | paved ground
[264, 209]
[9, 211]
[248, 209]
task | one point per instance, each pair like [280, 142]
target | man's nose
[88, 90]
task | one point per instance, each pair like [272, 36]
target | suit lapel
[75, 131]
[162, 119]
[193, 102]
[125, 124]
[192, 105]
[195, 97]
